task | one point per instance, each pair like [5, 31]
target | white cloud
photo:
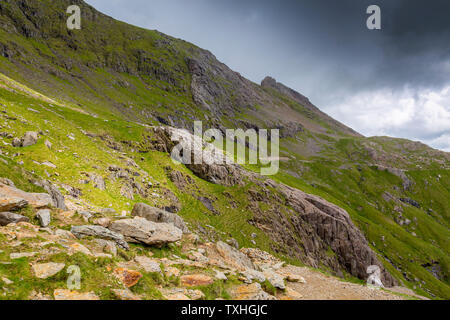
[418, 115]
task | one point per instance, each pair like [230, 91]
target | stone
[158, 215]
[36, 200]
[171, 272]
[78, 247]
[252, 291]
[104, 222]
[100, 232]
[30, 138]
[128, 277]
[220, 275]
[48, 144]
[275, 279]
[194, 280]
[64, 294]
[11, 203]
[107, 246]
[125, 295]
[232, 257]
[148, 264]
[64, 234]
[295, 278]
[47, 270]
[9, 217]
[20, 255]
[7, 281]
[251, 274]
[140, 230]
[291, 294]
[44, 217]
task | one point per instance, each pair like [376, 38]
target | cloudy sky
[394, 81]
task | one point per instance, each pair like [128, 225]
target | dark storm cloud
[321, 48]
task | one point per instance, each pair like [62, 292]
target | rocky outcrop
[140, 230]
[331, 227]
[157, 215]
[219, 170]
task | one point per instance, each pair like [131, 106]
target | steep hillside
[91, 93]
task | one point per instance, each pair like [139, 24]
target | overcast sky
[394, 81]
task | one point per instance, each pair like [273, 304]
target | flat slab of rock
[47, 270]
[64, 294]
[157, 215]
[100, 232]
[148, 264]
[251, 292]
[194, 280]
[128, 277]
[140, 230]
[9, 217]
[36, 200]
[125, 295]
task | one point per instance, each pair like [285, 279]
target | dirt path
[322, 287]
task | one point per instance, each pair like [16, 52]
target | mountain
[340, 202]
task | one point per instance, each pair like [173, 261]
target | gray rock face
[9, 217]
[100, 232]
[323, 225]
[55, 194]
[44, 217]
[30, 138]
[158, 215]
[140, 230]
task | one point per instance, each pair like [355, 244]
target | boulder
[253, 291]
[128, 277]
[140, 230]
[100, 232]
[148, 264]
[30, 138]
[9, 217]
[158, 215]
[44, 217]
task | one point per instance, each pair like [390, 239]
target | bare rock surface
[157, 215]
[140, 230]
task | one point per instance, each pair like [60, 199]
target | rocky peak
[270, 82]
